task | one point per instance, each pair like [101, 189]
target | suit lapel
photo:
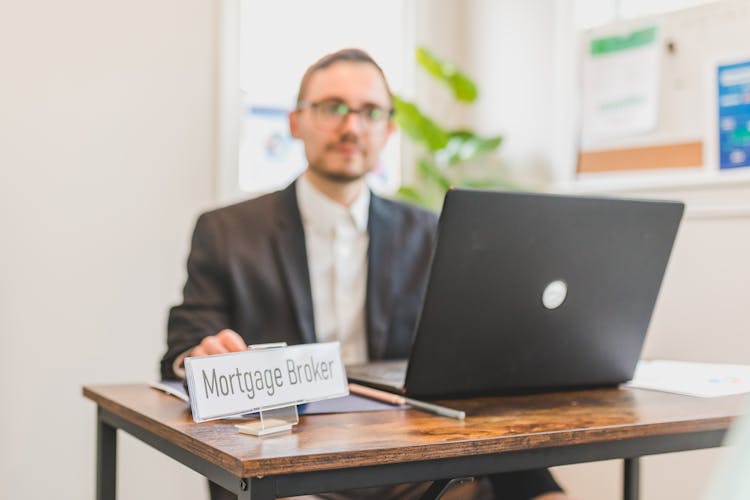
[380, 263]
[289, 240]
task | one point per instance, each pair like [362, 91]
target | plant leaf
[411, 194]
[463, 88]
[433, 173]
[464, 145]
[417, 126]
[490, 184]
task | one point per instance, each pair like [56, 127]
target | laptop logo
[554, 294]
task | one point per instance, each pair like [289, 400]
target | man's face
[342, 150]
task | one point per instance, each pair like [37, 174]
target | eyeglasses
[330, 114]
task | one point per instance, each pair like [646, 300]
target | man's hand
[224, 341]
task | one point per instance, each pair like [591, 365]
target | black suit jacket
[247, 271]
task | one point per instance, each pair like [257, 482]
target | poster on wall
[621, 85]
[734, 115]
[624, 138]
[269, 157]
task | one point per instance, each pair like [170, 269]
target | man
[323, 259]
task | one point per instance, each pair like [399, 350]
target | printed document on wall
[621, 75]
[734, 115]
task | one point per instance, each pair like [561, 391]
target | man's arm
[193, 325]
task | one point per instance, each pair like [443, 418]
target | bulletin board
[651, 91]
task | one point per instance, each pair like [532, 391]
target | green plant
[445, 155]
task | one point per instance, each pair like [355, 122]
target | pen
[369, 392]
[395, 399]
[436, 409]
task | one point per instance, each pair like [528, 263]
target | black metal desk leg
[245, 493]
[631, 479]
[256, 489]
[106, 459]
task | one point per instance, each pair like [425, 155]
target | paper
[173, 387]
[704, 380]
[346, 404]
[621, 86]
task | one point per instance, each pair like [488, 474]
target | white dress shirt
[336, 239]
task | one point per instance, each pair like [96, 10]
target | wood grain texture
[492, 425]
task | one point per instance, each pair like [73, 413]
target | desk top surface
[492, 425]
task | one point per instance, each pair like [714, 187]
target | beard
[341, 175]
[337, 177]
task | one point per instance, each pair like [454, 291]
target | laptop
[533, 292]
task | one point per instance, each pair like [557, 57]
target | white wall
[511, 54]
[107, 154]
[440, 26]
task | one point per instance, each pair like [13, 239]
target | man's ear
[389, 130]
[294, 124]
[391, 127]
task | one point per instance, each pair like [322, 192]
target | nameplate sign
[231, 384]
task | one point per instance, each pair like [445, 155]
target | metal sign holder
[272, 420]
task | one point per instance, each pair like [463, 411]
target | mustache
[345, 139]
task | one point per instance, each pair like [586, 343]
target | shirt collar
[323, 213]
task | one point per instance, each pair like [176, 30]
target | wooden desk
[331, 452]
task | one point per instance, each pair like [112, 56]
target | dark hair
[343, 55]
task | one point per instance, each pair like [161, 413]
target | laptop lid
[532, 292]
